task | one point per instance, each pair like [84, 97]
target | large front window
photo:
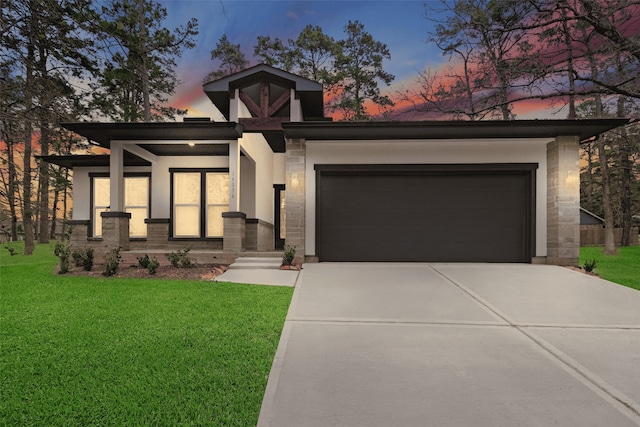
[136, 202]
[199, 199]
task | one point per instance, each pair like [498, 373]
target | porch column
[563, 201]
[115, 222]
[234, 176]
[115, 230]
[234, 221]
[116, 174]
[295, 196]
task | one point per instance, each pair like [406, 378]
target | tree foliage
[138, 74]
[65, 60]
[230, 57]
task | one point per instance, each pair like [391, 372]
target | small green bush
[289, 255]
[62, 251]
[11, 250]
[111, 262]
[77, 258]
[589, 265]
[83, 258]
[153, 265]
[180, 258]
[144, 261]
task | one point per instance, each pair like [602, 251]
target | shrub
[77, 258]
[111, 262]
[144, 261]
[180, 258]
[87, 261]
[289, 255]
[589, 265]
[83, 258]
[153, 265]
[62, 251]
[11, 250]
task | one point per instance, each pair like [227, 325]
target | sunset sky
[399, 24]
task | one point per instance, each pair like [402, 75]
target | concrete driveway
[455, 345]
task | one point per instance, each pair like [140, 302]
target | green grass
[623, 268]
[78, 351]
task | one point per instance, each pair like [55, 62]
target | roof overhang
[92, 160]
[103, 133]
[339, 131]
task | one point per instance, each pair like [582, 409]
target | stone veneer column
[115, 230]
[295, 196]
[234, 231]
[157, 233]
[79, 232]
[563, 201]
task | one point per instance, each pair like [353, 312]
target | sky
[401, 25]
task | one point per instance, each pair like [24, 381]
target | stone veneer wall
[258, 235]
[295, 195]
[115, 230]
[234, 231]
[563, 201]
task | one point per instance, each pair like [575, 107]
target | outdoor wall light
[191, 144]
[572, 180]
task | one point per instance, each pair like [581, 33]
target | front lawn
[623, 268]
[80, 351]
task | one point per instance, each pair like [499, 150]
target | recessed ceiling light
[191, 144]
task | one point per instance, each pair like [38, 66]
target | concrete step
[252, 263]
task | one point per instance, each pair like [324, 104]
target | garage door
[446, 213]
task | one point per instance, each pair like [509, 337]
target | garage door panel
[408, 216]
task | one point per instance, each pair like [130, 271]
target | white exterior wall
[160, 182]
[279, 168]
[257, 149]
[161, 178]
[476, 151]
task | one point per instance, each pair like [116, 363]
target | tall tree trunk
[570, 67]
[43, 184]
[144, 73]
[609, 237]
[27, 209]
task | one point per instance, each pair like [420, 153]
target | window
[136, 202]
[199, 199]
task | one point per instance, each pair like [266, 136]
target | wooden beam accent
[263, 123]
[252, 106]
[264, 99]
[279, 103]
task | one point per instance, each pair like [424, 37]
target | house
[277, 172]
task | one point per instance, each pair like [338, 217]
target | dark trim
[157, 220]
[92, 160]
[112, 214]
[412, 168]
[277, 220]
[527, 169]
[201, 170]
[234, 215]
[104, 132]
[249, 220]
[203, 189]
[93, 175]
[339, 131]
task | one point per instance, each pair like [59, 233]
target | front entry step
[253, 263]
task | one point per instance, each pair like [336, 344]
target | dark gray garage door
[458, 213]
